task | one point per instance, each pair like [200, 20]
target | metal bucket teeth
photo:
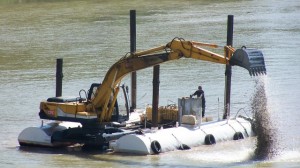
[257, 71]
[250, 59]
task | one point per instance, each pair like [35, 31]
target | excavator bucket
[250, 59]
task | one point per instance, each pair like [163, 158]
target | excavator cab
[92, 90]
[121, 110]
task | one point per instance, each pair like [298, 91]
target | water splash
[263, 126]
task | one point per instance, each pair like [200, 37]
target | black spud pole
[155, 98]
[133, 49]
[59, 77]
[228, 71]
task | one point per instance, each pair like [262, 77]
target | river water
[91, 35]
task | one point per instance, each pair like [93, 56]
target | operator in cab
[200, 93]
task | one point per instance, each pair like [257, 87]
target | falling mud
[263, 126]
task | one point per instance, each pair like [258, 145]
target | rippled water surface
[91, 35]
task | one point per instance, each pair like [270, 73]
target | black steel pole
[228, 71]
[133, 49]
[59, 76]
[155, 98]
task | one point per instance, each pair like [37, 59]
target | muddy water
[91, 35]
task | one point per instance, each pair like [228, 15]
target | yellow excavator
[99, 105]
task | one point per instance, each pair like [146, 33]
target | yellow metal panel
[50, 108]
[164, 113]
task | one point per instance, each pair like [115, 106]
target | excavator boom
[250, 59]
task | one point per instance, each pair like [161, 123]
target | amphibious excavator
[96, 113]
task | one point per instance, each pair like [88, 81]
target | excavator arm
[103, 102]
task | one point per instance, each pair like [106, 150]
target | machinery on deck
[97, 111]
